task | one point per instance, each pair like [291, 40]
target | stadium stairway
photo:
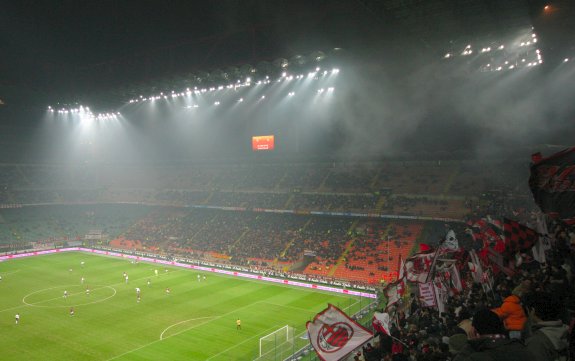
[375, 178]
[348, 247]
[239, 239]
[380, 203]
[278, 185]
[324, 180]
[288, 202]
[452, 177]
[209, 198]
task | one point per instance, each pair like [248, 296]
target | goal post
[279, 341]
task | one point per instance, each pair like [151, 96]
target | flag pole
[432, 269]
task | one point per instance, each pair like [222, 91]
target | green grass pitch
[196, 321]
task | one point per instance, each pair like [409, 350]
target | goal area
[277, 345]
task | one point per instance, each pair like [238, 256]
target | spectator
[490, 343]
[512, 314]
[550, 338]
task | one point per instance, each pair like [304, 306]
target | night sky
[397, 94]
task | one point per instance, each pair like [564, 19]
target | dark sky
[70, 44]
[402, 95]
[66, 42]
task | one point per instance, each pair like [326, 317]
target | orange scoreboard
[262, 142]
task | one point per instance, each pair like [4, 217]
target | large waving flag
[393, 292]
[489, 232]
[518, 237]
[417, 267]
[552, 183]
[334, 335]
[381, 322]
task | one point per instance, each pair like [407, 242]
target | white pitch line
[237, 344]
[191, 319]
[177, 333]
[97, 288]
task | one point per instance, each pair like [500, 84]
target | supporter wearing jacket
[488, 342]
[549, 340]
[512, 314]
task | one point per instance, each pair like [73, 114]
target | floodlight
[281, 63]
[317, 56]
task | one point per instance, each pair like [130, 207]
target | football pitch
[196, 320]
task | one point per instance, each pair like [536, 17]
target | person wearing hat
[488, 341]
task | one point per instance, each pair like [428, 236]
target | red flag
[552, 183]
[518, 237]
[333, 334]
[424, 247]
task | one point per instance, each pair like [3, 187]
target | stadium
[287, 180]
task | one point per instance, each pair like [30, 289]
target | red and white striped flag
[334, 335]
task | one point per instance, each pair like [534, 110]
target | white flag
[475, 267]
[333, 334]
[455, 278]
[393, 292]
[451, 244]
[543, 244]
[441, 294]
[380, 322]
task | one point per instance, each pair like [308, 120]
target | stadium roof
[74, 46]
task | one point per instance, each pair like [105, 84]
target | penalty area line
[179, 323]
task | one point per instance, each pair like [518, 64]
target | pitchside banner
[263, 142]
[552, 183]
[334, 335]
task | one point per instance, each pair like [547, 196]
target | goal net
[277, 344]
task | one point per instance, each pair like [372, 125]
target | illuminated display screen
[262, 142]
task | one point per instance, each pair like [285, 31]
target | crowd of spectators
[526, 315]
[410, 188]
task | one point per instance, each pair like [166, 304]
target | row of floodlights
[241, 100]
[468, 49]
[507, 65]
[248, 82]
[84, 111]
